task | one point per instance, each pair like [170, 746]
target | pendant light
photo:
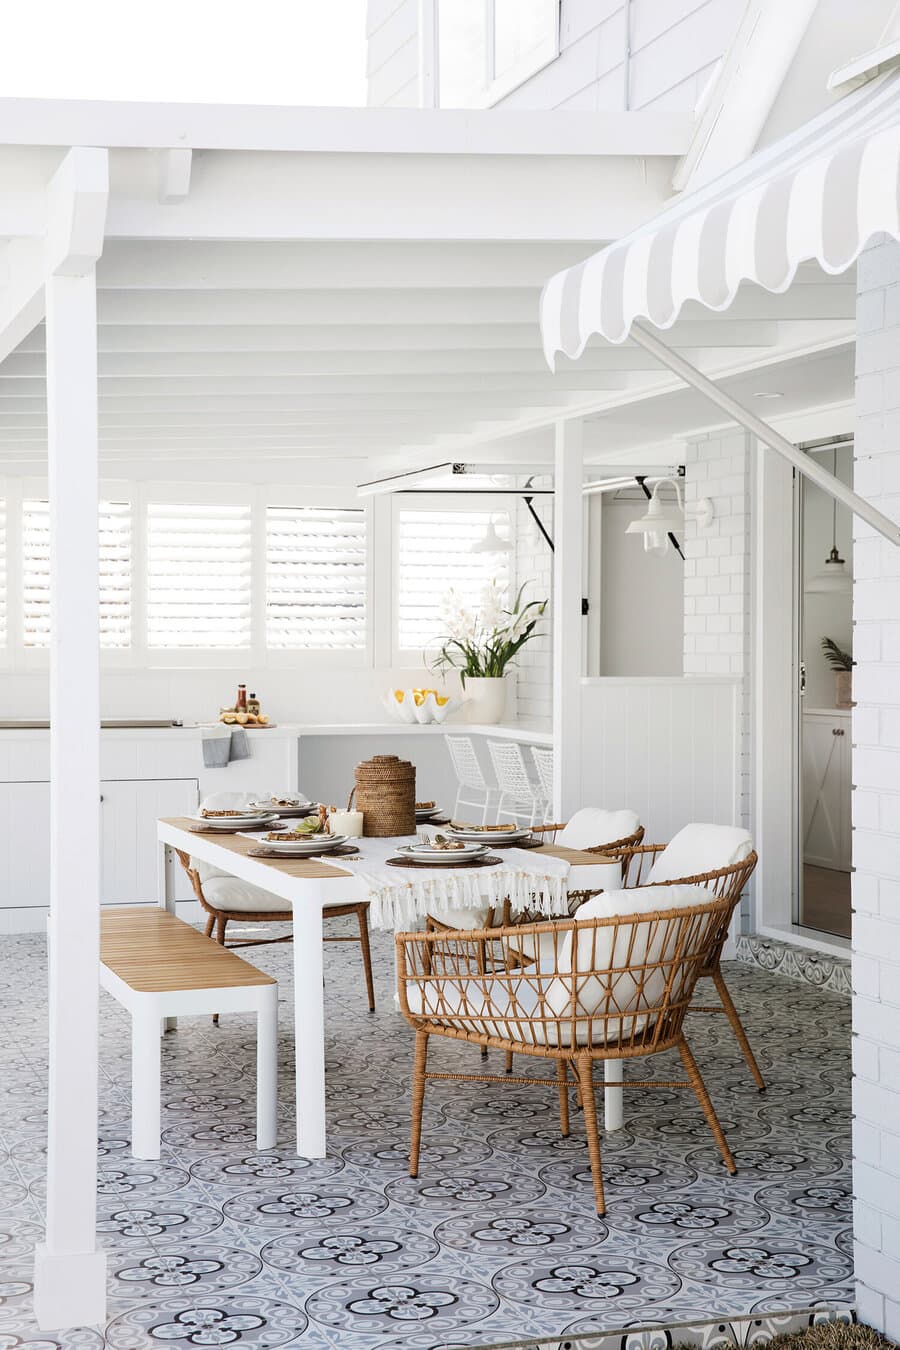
[491, 541]
[835, 577]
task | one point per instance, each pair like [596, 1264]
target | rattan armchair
[726, 882]
[219, 918]
[614, 987]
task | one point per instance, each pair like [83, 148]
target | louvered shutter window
[115, 574]
[198, 575]
[3, 629]
[315, 578]
[435, 554]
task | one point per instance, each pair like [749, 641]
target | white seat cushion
[701, 848]
[229, 893]
[591, 827]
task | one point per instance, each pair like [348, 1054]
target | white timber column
[70, 1274]
[568, 531]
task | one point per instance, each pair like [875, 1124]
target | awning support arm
[750, 422]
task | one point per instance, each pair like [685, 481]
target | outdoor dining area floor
[496, 1242]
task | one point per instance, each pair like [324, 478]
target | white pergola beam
[430, 306]
[218, 386]
[175, 366]
[70, 1274]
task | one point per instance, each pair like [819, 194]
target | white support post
[568, 530]
[70, 1274]
[429, 92]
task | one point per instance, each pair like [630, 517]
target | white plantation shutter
[315, 578]
[198, 575]
[115, 574]
[3, 629]
[435, 554]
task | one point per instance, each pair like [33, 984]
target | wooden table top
[313, 869]
[152, 952]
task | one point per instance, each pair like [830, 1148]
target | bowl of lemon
[420, 705]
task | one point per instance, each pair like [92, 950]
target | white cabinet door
[25, 851]
[130, 810]
[826, 791]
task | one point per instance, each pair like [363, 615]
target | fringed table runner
[399, 900]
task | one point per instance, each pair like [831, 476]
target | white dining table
[308, 886]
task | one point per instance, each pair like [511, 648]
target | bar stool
[474, 789]
[543, 762]
[520, 796]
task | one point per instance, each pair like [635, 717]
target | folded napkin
[222, 746]
[400, 897]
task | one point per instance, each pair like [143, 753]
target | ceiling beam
[376, 131]
[220, 385]
[173, 175]
[206, 338]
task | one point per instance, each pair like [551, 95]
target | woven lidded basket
[385, 791]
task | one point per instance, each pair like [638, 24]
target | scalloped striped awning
[820, 194]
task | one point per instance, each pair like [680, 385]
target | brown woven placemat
[432, 820]
[519, 843]
[342, 851]
[463, 862]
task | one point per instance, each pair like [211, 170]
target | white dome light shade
[834, 579]
[665, 518]
[491, 541]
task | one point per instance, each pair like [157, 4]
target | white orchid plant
[481, 643]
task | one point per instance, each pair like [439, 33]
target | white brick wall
[876, 811]
[534, 563]
[717, 574]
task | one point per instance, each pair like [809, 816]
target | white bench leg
[145, 1084]
[267, 1068]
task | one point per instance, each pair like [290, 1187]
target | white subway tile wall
[876, 777]
[534, 564]
[717, 574]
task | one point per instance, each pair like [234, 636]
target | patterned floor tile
[497, 1238]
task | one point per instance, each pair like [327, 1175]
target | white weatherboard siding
[392, 62]
[674, 50]
[876, 801]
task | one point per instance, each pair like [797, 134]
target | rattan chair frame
[645, 977]
[726, 882]
[219, 919]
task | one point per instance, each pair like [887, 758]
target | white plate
[298, 847]
[238, 819]
[426, 813]
[485, 836]
[294, 810]
[423, 852]
[445, 858]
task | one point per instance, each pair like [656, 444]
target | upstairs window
[487, 48]
[315, 578]
[198, 575]
[115, 574]
[434, 555]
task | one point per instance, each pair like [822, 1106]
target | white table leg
[267, 1068]
[612, 1095]
[165, 898]
[145, 1084]
[309, 1030]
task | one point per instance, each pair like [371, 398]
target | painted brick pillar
[876, 798]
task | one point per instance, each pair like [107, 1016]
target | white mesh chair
[473, 787]
[520, 796]
[543, 762]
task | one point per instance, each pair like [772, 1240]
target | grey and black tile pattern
[819, 969]
[496, 1242]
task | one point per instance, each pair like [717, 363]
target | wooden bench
[158, 966]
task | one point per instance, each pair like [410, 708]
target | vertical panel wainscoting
[667, 748]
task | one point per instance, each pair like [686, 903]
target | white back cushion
[592, 826]
[701, 848]
[601, 949]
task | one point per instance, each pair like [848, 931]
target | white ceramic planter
[485, 699]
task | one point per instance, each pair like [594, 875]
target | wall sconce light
[665, 518]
